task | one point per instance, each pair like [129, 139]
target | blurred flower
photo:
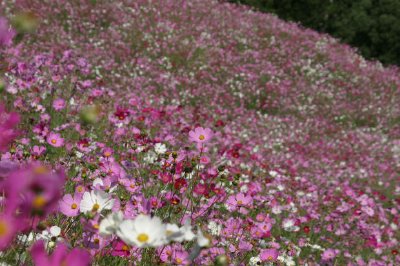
[8, 122]
[59, 104]
[60, 256]
[6, 33]
[110, 223]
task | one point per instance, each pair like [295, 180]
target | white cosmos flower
[160, 148]
[174, 233]
[143, 231]
[51, 236]
[110, 224]
[96, 201]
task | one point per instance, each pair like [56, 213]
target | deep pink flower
[59, 104]
[269, 254]
[60, 256]
[55, 140]
[36, 193]
[200, 135]
[8, 228]
[8, 122]
[70, 205]
[121, 249]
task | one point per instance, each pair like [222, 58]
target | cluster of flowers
[191, 132]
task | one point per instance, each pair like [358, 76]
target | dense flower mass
[191, 133]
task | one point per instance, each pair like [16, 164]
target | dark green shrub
[373, 26]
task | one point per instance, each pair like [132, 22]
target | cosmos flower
[96, 201]
[69, 205]
[8, 122]
[60, 256]
[200, 135]
[110, 223]
[8, 228]
[269, 254]
[6, 33]
[143, 231]
[55, 140]
[59, 104]
[160, 148]
[51, 236]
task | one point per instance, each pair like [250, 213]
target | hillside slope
[306, 130]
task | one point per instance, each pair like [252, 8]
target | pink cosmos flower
[60, 256]
[6, 33]
[55, 140]
[200, 135]
[329, 254]
[7, 230]
[269, 254]
[59, 104]
[70, 205]
[8, 122]
[239, 200]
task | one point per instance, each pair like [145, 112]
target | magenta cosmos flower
[55, 140]
[70, 205]
[200, 135]
[60, 256]
[270, 254]
[6, 33]
[59, 104]
[8, 122]
[8, 228]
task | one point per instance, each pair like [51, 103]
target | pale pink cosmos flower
[55, 140]
[59, 104]
[201, 135]
[70, 205]
[270, 254]
[239, 200]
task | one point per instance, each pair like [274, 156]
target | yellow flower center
[107, 154]
[240, 202]
[79, 189]
[178, 261]
[132, 186]
[40, 170]
[74, 206]
[143, 238]
[125, 248]
[96, 241]
[3, 228]
[39, 202]
[53, 141]
[96, 226]
[201, 137]
[270, 258]
[95, 207]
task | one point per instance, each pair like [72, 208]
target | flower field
[197, 132]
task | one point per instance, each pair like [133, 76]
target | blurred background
[372, 26]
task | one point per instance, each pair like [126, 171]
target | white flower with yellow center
[96, 201]
[143, 231]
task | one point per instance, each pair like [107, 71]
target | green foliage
[373, 26]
